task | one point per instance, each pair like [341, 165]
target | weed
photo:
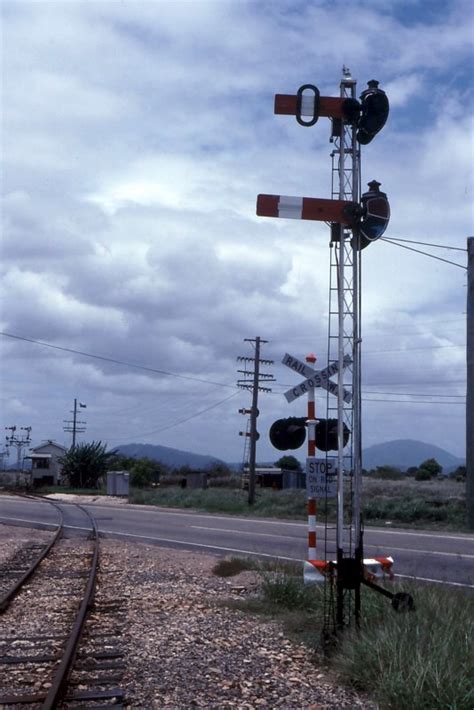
[233, 566]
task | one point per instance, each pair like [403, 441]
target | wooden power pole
[470, 385]
[255, 386]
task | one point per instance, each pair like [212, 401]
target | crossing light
[288, 433]
[326, 435]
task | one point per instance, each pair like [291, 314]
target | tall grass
[440, 504]
[282, 504]
[422, 660]
[416, 660]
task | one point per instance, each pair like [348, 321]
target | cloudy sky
[135, 138]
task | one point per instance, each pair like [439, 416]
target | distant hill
[404, 453]
[171, 457]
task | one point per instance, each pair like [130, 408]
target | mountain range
[175, 458]
[401, 453]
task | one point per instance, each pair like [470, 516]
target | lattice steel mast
[344, 339]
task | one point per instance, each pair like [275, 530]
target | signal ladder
[246, 458]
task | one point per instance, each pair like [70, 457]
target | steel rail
[60, 678]
[7, 598]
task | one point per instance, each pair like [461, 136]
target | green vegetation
[85, 464]
[434, 503]
[420, 660]
[289, 463]
[279, 504]
[421, 497]
[407, 502]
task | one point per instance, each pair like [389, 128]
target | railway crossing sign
[315, 378]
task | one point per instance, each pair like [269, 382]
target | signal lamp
[288, 433]
[375, 108]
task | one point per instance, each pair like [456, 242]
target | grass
[434, 504]
[279, 504]
[420, 660]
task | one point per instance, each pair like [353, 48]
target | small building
[45, 466]
[276, 478]
[194, 479]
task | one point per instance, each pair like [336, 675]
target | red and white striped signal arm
[313, 208]
[329, 106]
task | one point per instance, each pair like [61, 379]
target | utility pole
[255, 387]
[75, 426]
[19, 442]
[470, 385]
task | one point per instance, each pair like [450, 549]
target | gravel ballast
[184, 648]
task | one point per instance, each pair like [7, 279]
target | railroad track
[59, 642]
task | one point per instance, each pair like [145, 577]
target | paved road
[433, 556]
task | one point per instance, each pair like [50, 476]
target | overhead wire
[186, 419]
[427, 244]
[418, 251]
[116, 361]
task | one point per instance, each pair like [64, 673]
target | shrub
[422, 475]
[85, 464]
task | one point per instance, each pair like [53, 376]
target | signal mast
[355, 221]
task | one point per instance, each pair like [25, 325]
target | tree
[145, 472]
[460, 473]
[422, 475]
[386, 472]
[85, 464]
[219, 470]
[288, 463]
[432, 466]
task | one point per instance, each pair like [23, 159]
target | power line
[115, 362]
[426, 244]
[425, 253]
[423, 347]
[415, 394]
[411, 401]
[182, 421]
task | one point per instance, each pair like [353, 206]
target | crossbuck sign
[315, 378]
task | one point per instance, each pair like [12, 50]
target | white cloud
[138, 135]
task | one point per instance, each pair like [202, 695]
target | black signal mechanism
[375, 216]
[375, 108]
[288, 433]
[326, 435]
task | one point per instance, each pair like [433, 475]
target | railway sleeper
[112, 653]
[25, 699]
[27, 639]
[96, 694]
[89, 664]
[96, 680]
[13, 660]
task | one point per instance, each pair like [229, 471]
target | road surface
[433, 556]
